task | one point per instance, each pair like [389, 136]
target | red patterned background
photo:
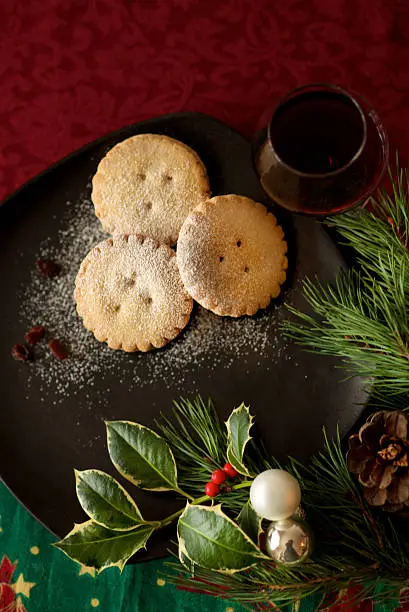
[72, 71]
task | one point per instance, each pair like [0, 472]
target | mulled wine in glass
[322, 152]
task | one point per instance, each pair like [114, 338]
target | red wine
[318, 132]
[322, 152]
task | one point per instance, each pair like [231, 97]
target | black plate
[53, 413]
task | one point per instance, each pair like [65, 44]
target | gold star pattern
[160, 582]
[34, 550]
[87, 570]
[94, 602]
[22, 587]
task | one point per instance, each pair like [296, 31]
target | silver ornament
[289, 541]
[275, 495]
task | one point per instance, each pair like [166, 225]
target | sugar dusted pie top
[129, 293]
[147, 185]
[231, 255]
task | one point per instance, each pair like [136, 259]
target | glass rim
[328, 87]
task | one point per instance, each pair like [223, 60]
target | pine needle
[363, 317]
[355, 546]
[199, 444]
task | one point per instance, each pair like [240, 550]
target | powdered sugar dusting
[231, 255]
[147, 184]
[130, 294]
[208, 343]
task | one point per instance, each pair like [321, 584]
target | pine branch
[359, 324]
[199, 444]
[394, 208]
[357, 546]
[195, 433]
[198, 441]
[363, 317]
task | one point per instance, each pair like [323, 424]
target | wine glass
[323, 151]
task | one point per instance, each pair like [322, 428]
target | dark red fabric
[72, 71]
[8, 600]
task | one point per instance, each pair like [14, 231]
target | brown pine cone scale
[378, 454]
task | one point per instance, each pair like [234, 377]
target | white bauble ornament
[275, 495]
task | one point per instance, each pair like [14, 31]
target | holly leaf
[209, 538]
[141, 456]
[238, 426]
[238, 465]
[95, 546]
[184, 560]
[250, 522]
[106, 501]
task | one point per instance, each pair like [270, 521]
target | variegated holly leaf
[141, 456]
[106, 501]
[95, 546]
[238, 465]
[250, 522]
[184, 560]
[209, 538]
[238, 434]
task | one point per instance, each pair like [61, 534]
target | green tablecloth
[36, 577]
[45, 580]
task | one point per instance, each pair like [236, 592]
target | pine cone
[379, 455]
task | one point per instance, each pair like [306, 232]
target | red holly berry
[218, 477]
[212, 489]
[229, 470]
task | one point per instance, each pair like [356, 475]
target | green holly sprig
[117, 530]
[355, 545]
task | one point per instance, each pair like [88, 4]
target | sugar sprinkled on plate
[208, 343]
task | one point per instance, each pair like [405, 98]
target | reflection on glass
[322, 151]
